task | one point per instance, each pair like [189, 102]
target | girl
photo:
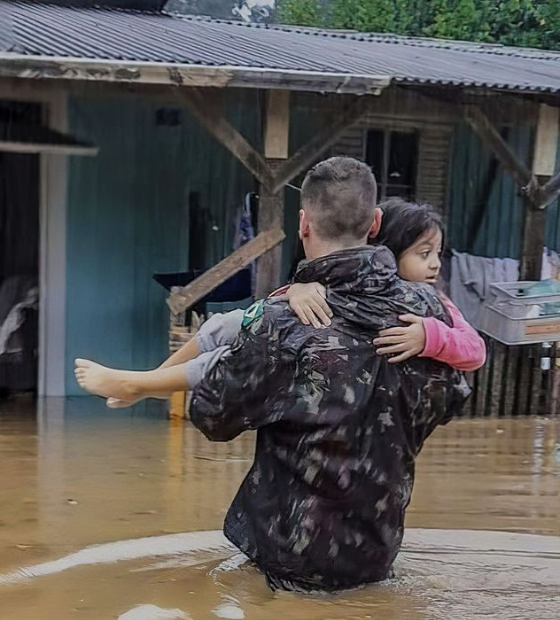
[415, 235]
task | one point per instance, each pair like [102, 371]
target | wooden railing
[513, 383]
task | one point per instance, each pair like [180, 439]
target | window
[392, 156]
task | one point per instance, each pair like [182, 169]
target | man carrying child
[338, 426]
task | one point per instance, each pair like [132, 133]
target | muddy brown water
[117, 515]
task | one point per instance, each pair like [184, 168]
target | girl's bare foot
[103, 381]
[116, 403]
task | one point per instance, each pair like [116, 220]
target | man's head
[338, 211]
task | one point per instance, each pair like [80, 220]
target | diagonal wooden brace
[207, 108]
[551, 190]
[182, 298]
[490, 136]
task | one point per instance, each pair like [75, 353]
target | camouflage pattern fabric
[338, 427]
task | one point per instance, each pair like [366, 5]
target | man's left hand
[402, 342]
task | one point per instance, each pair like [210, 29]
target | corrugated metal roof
[43, 30]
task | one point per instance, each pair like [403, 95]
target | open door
[19, 257]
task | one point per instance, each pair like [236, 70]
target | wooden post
[533, 241]
[544, 161]
[271, 203]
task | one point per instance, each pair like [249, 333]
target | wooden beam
[490, 136]
[182, 298]
[276, 135]
[533, 242]
[546, 142]
[551, 190]
[56, 68]
[544, 163]
[269, 265]
[207, 109]
[36, 148]
[546, 151]
[321, 142]
[271, 203]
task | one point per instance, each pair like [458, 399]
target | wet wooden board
[482, 378]
[510, 379]
[497, 386]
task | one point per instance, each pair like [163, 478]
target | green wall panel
[484, 214]
[128, 218]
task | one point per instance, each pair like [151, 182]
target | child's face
[421, 262]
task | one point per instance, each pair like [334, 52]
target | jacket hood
[363, 287]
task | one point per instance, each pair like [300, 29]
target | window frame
[383, 183]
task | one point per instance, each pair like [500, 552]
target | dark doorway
[19, 257]
[393, 157]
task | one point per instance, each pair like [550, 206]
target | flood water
[117, 515]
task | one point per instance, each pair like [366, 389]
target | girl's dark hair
[404, 223]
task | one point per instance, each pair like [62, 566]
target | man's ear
[303, 225]
[376, 224]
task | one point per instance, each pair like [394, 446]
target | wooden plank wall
[513, 384]
[434, 148]
[352, 143]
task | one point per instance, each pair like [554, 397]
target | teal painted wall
[553, 217]
[305, 122]
[127, 218]
[500, 231]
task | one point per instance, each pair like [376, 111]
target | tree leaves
[525, 23]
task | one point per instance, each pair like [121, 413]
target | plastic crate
[522, 312]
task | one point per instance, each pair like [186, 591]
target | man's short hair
[339, 195]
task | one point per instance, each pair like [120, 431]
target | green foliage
[532, 23]
[460, 19]
[367, 15]
[300, 12]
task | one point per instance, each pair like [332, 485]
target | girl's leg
[189, 351]
[130, 386]
[218, 331]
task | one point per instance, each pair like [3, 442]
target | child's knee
[219, 330]
[198, 367]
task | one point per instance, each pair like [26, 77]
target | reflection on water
[114, 515]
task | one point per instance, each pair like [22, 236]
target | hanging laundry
[245, 231]
[471, 277]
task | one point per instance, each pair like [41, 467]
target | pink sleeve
[280, 291]
[460, 346]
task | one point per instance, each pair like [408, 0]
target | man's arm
[435, 393]
[247, 386]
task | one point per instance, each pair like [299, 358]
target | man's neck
[320, 248]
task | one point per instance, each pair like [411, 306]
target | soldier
[338, 426]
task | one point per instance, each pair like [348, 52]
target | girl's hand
[402, 342]
[308, 301]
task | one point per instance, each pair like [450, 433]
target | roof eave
[153, 73]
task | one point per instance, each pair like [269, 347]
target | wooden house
[139, 121]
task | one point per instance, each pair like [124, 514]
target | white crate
[520, 313]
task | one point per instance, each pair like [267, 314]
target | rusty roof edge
[13, 65]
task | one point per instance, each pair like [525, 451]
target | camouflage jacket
[339, 428]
